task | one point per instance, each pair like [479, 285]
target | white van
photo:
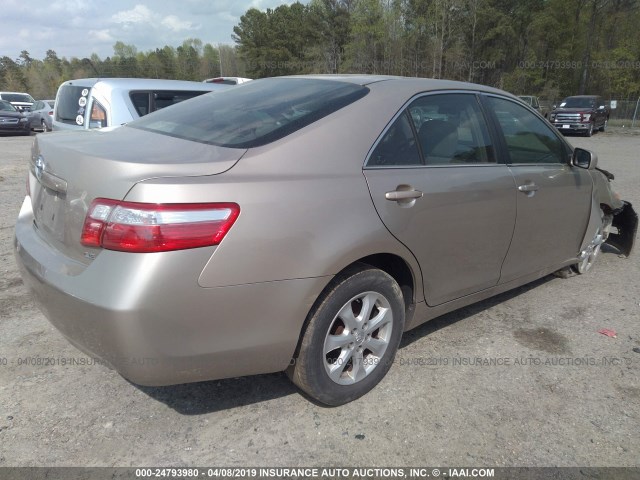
[105, 102]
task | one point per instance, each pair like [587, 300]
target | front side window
[451, 130]
[254, 113]
[529, 139]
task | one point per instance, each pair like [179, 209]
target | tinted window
[140, 102]
[578, 102]
[451, 129]
[69, 103]
[529, 139]
[397, 146]
[17, 97]
[147, 102]
[6, 106]
[254, 113]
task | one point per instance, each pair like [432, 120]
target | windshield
[254, 113]
[578, 102]
[7, 107]
[18, 97]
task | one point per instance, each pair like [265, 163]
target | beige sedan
[302, 224]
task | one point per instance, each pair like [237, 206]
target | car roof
[133, 83]
[409, 83]
[584, 96]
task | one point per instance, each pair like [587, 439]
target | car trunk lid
[70, 169]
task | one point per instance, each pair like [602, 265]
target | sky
[78, 28]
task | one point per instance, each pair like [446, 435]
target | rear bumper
[147, 317]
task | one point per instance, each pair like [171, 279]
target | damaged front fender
[625, 220]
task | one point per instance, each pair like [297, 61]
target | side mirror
[584, 158]
[554, 106]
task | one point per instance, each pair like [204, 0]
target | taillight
[98, 116]
[51, 112]
[150, 227]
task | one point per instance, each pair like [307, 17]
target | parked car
[22, 101]
[534, 102]
[580, 114]
[13, 121]
[227, 80]
[89, 103]
[41, 115]
[270, 228]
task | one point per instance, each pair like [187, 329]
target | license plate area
[48, 211]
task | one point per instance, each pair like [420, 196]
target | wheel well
[387, 262]
[398, 269]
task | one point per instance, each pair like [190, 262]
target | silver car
[91, 103]
[302, 224]
[41, 115]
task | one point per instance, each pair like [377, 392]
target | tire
[342, 355]
[43, 126]
[604, 126]
[589, 132]
[588, 256]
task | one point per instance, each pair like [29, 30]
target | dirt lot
[523, 379]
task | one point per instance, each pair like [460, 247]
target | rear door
[436, 184]
[553, 197]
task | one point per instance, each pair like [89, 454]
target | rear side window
[71, 104]
[150, 101]
[398, 146]
[254, 113]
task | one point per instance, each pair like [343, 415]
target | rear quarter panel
[305, 207]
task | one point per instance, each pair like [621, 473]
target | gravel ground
[443, 403]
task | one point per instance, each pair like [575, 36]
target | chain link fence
[626, 113]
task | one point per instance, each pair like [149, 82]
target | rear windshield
[18, 97]
[254, 113]
[69, 106]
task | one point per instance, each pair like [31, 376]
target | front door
[553, 197]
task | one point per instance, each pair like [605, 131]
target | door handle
[399, 195]
[529, 187]
[404, 195]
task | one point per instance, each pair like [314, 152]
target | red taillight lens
[98, 117]
[150, 227]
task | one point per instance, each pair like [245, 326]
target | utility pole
[220, 57]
